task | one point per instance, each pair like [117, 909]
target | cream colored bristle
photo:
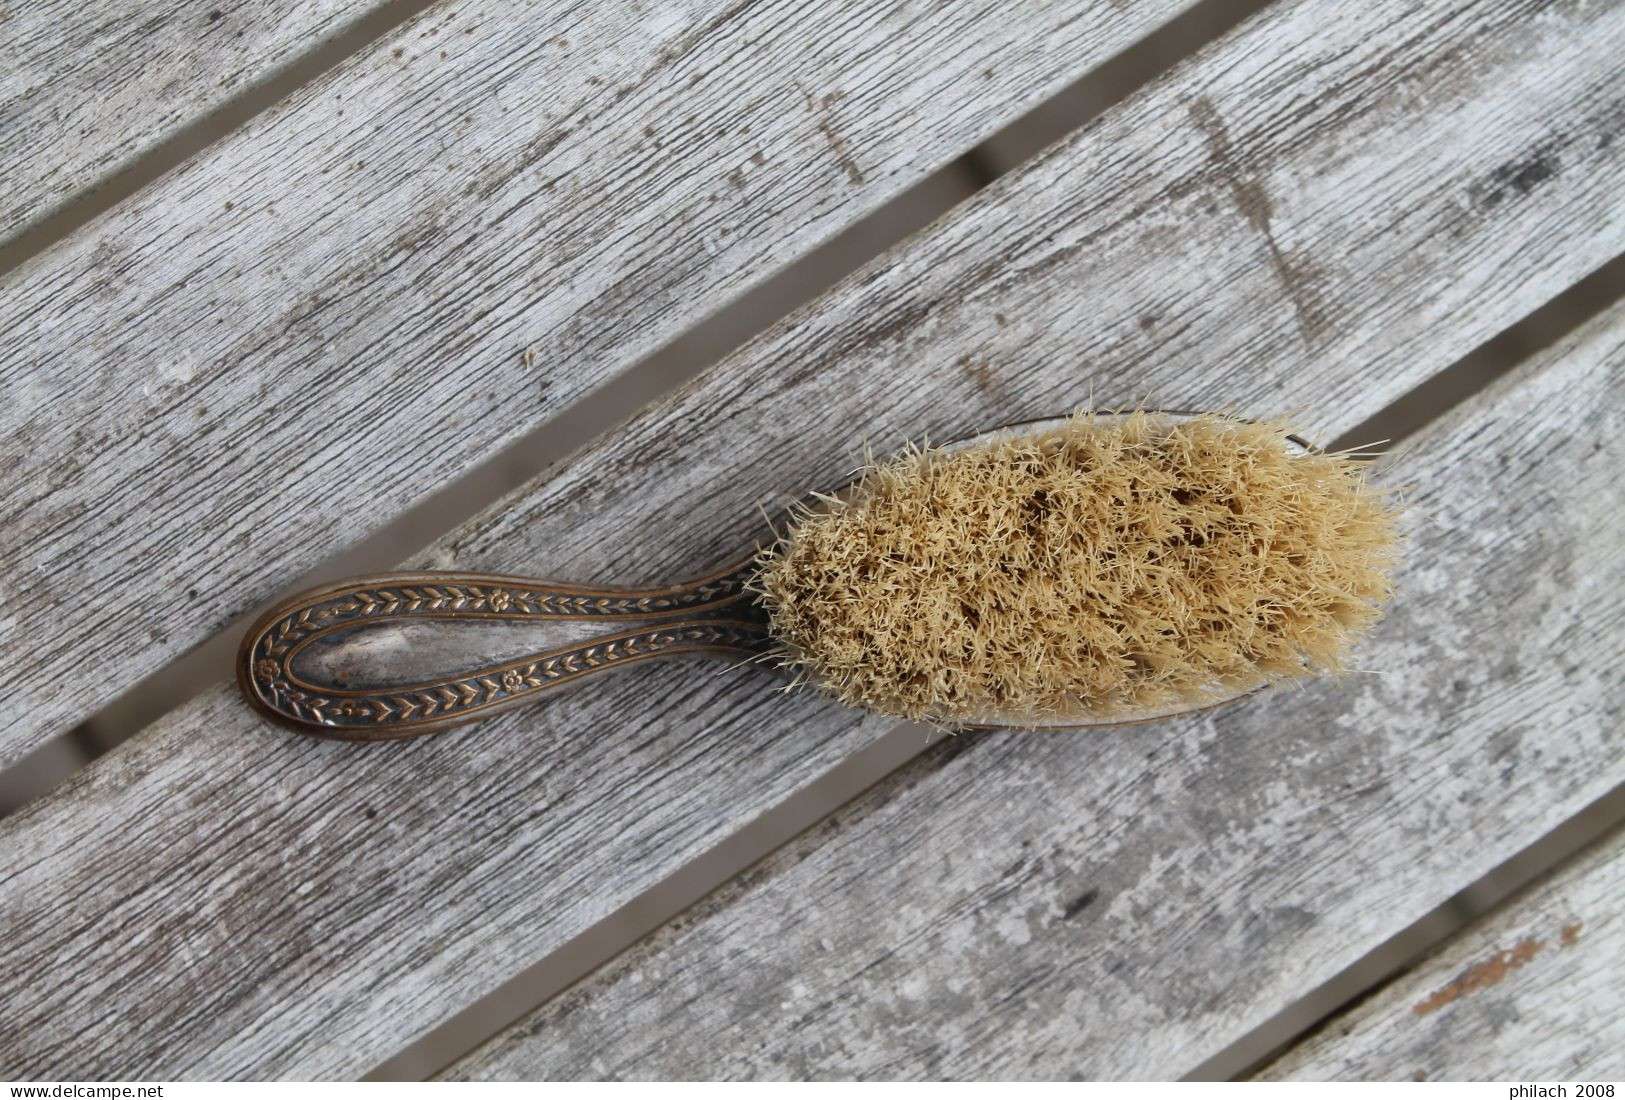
[1102, 568]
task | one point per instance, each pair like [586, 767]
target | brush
[1093, 570]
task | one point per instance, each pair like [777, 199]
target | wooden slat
[424, 256]
[87, 88]
[1530, 993]
[216, 897]
[1125, 905]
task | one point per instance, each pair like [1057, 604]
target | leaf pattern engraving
[738, 628]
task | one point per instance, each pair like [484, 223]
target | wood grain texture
[1124, 906]
[423, 256]
[216, 898]
[87, 88]
[1530, 993]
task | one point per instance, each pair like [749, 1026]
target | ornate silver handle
[401, 654]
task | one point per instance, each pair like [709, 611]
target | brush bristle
[1096, 570]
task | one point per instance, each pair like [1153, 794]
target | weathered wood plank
[1530, 993]
[1124, 906]
[214, 897]
[423, 256]
[87, 88]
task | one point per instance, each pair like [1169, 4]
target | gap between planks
[708, 341]
[1297, 1037]
[102, 180]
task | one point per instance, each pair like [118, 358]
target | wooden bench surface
[1314, 213]
[1528, 992]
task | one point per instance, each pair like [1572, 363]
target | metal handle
[401, 654]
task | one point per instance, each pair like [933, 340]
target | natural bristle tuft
[1102, 568]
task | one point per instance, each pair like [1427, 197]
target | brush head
[1102, 569]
